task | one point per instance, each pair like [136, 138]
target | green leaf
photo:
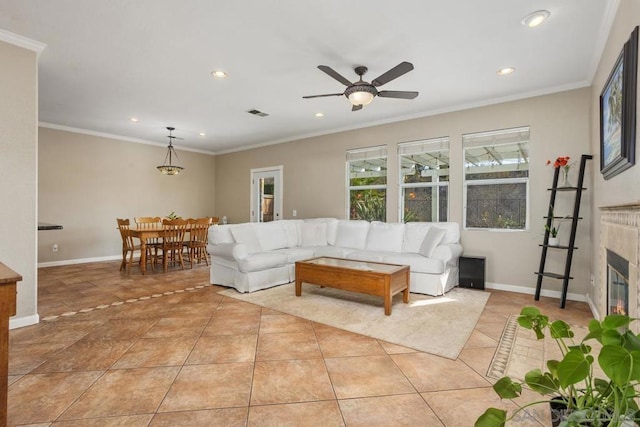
[507, 389]
[611, 337]
[631, 341]
[619, 364]
[541, 383]
[492, 417]
[573, 368]
[552, 366]
[530, 311]
[560, 329]
[615, 321]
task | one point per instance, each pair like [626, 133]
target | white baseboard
[80, 261]
[532, 291]
[19, 322]
[594, 309]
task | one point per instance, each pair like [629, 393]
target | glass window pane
[415, 168]
[370, 205]
[497, 206]
[368, 172]
[425, 204]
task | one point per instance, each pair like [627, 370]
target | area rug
[437, 325]
[519, 351]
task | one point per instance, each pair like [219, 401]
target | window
[496, 179]
[424, 180]
[367, 185]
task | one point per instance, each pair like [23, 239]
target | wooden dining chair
[154, 243]
[172, 241]
[128, 247]
[197, 243]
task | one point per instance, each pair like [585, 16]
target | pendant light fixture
[169, 168]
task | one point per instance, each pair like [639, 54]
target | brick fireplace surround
[620, 233]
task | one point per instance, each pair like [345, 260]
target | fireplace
[617, 284]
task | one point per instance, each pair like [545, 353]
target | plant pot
[559, 413]
[554, 241]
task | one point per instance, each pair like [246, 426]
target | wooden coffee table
[372, 278]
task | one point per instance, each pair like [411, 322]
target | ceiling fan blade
[401, 94]
[394, 73]
[321, 96]
[333, 73]
[356, 108]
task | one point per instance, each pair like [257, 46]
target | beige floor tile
[399, 410]
[290, 345]
[121, 329]
[491, 329]
[38, 398]
[290, 381]
[178, 327]
[23, 358]
[366, 376]
[124, 421]
[428, 373]
[394, 348]
[124, 392]
[193, 309]
[307, 414]
[86, 355]
[337, 343]
[478, 359]
[233, 324]
[278, 324]
[227, 417]
[223, 349]
[463, 407]
[229, 306]
[152, 352]
[479, 340]
[209, 387]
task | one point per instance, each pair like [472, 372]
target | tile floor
[122, 349]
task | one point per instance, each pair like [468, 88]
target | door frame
[277, 172]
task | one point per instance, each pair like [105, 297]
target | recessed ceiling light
[319, 114]
[505, 71]
[219, 74]
[134, 119]
[202, 134]
[536, 18]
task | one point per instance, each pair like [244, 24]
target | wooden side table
[8, 281]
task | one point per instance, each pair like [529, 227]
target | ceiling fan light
[361, 98]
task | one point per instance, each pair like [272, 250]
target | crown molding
[21, 41]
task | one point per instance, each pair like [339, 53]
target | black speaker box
[472, 272]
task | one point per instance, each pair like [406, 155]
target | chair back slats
[173, 233]
[127, 240]
[148, 222]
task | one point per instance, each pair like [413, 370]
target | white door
[266, 194]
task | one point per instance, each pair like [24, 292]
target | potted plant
[571, 382]
[553, 230]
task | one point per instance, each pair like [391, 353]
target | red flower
[562, 161]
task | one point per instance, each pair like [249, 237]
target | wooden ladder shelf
[566, 276]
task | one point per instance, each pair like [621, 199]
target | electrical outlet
[295, 213]
[54, 248]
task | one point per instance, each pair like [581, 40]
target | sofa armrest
[448, 252]
[231, 251]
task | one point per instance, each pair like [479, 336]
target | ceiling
[108, 61]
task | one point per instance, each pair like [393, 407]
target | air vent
[257, 113]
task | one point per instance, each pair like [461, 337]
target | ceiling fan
[362, 93]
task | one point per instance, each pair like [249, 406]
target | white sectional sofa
[254, 256]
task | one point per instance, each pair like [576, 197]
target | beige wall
[18, 163]
[86, 182]
[314, 176]
[624, 187]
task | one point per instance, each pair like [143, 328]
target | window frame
[496, 181]
[438, 184]
[362, 154]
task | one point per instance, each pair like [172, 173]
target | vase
[553, 241]
[565, 177]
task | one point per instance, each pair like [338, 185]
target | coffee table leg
[387, 304]
[298, 287]
[405, 295]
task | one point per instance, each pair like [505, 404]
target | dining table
[144, 233]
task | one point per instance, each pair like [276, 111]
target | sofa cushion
[332, 226]
[417, 262]
[246, 233]
[331, 251]
[384, 236]
[296, 254]
[414, 233]
[271, 235]
[431, 241]
[370, 256]
[313, 234]
[292, 230]
[352, 234]
[262, 261]
[453, 232]
[220, 234]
